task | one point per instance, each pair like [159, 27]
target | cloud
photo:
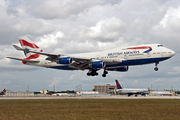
[80, 26]
[55, 82]
[55, 9]
[109, 29]
[172, 14]
[50, 39]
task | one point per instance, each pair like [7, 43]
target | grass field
[90, 109]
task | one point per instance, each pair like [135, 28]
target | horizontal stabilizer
[17, 47]
[30, 61]
[51, 56]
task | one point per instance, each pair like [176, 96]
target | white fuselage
[118, 57]
[132, 91]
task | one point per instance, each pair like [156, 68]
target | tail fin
[3, 92]
[118, 85]
[26, 43]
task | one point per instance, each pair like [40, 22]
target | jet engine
[122, 69]
[97, 64]
[65, 60]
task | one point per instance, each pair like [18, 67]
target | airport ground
[97, 97]
[90, 108]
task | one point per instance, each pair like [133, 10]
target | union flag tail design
[118, 85]
[27, 44]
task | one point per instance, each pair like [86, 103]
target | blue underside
[124, 63]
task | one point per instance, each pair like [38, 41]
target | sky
[80, 26]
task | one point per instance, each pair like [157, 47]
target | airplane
[130, 92]
[49, 93]
[3, 92]
[117, 59]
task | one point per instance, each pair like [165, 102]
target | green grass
[90, 109]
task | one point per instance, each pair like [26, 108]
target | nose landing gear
[156, 68]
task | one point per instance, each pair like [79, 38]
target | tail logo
[28, 45]
[118, 85]
[143, 47]
[25, 43]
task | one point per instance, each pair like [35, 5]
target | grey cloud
[124, 23]
[55, 9]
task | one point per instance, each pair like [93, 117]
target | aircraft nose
[173, 53]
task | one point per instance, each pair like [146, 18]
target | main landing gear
[92, 73]
[156, 68]
[104, 73]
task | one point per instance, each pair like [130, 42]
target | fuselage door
[98, 56]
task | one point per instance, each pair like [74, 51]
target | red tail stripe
[118, 85]
[34, 56]
[25, 43]
[143, 47]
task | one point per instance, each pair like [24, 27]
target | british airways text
[123, 53]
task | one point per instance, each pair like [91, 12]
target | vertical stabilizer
[118, 85]
[3, 92]
[26, 43]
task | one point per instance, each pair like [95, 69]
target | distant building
[44, 91]
[105, 88]
[162, 93]
[87, 93]
[19, 94]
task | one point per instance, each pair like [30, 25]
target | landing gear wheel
[88, 74]
[92, 73]
[103, 75]
[156, 68]
[105, 72]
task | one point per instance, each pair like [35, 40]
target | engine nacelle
[65, 60]
[122, 69]
[97, 64]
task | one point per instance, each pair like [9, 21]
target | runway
[93, 97]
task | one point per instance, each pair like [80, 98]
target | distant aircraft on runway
[130, 92]
[3, 92]
[118, 59]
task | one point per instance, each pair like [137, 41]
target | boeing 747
[117, 59]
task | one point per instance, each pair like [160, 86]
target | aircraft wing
[30, 61]
[78, 63]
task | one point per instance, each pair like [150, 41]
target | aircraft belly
[59, 66]
[66, 67]
[138, 62]
[108, 65]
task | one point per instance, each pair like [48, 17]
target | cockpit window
[160, 45]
